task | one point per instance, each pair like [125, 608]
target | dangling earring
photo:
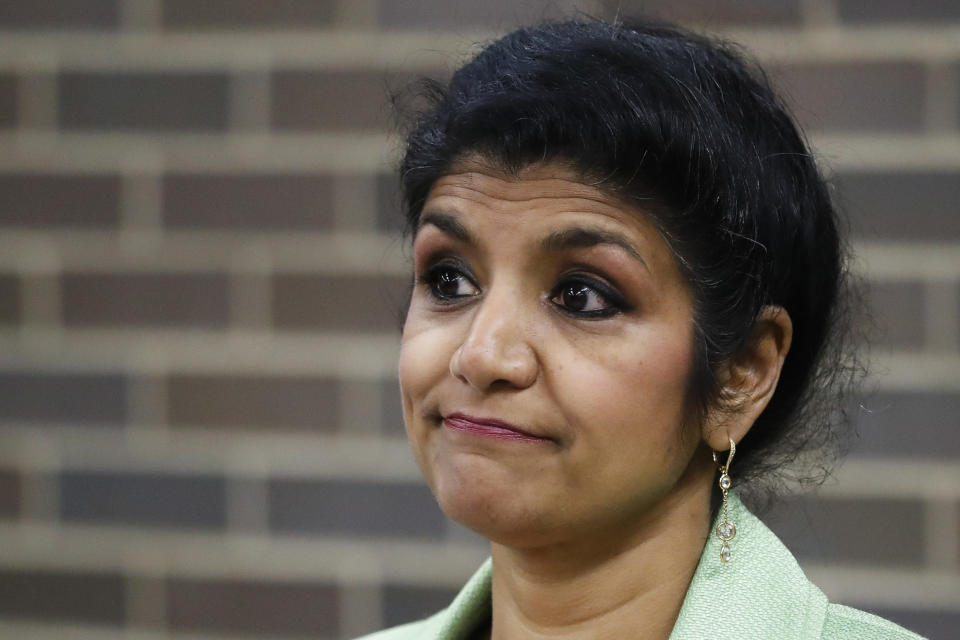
[726, 530]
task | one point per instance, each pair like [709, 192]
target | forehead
[546, 185]
[536, 195]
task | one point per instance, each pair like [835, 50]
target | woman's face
[545, 357]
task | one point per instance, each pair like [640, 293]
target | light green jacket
[761, 593]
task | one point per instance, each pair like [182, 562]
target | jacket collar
[760, 593]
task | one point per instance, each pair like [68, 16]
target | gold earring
[726, 530]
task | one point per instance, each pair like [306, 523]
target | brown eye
[593, 299]
[447, 283]
[575, 297]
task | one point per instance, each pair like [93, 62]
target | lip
[489, 428]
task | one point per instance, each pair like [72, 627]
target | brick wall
[200, 433]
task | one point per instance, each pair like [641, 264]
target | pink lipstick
[489, 428]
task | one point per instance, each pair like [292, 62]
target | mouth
[489, 428]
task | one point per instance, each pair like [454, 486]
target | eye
[447, 283]
[587, 299]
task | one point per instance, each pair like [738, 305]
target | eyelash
[615, 303]
[431, 280]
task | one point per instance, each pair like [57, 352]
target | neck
[627, 582]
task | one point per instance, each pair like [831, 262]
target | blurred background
[200, 272]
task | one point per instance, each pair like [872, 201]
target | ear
[749, 379]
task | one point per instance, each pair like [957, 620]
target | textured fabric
[760, 593]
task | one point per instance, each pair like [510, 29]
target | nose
[496, 350]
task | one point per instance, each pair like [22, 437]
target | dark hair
[684, 127]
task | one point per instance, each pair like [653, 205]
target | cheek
[414, 375]
[425, 353]
[640, 392]
[414, 370]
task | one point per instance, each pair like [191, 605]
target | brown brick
[902, 205]
[10, 500]
[248, 201]
[256, 14]
[855, 96]
[350, 303]
[709, 12]
[354, 508]
[406, 603]
[134, 498]
[955, 74]
[143, 101]
[60, 14]
[41, 200]
[392, 409]
[256, 608]
[333, 100]
[8, 100]
[63, 398]
[51, 595]
[143, 299]
[928, 623]
[390, 215]
[492, 14]
[253, 402]
[9, 299]
[909, 424]
[899, 312]
[833, 530]
[877, 11]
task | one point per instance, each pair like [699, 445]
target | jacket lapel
[760, 593]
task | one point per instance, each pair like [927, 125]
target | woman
[628, 276]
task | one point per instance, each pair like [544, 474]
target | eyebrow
[448, 224]
[565, 239]
[586, 237]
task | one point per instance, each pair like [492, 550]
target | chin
[489, 505]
